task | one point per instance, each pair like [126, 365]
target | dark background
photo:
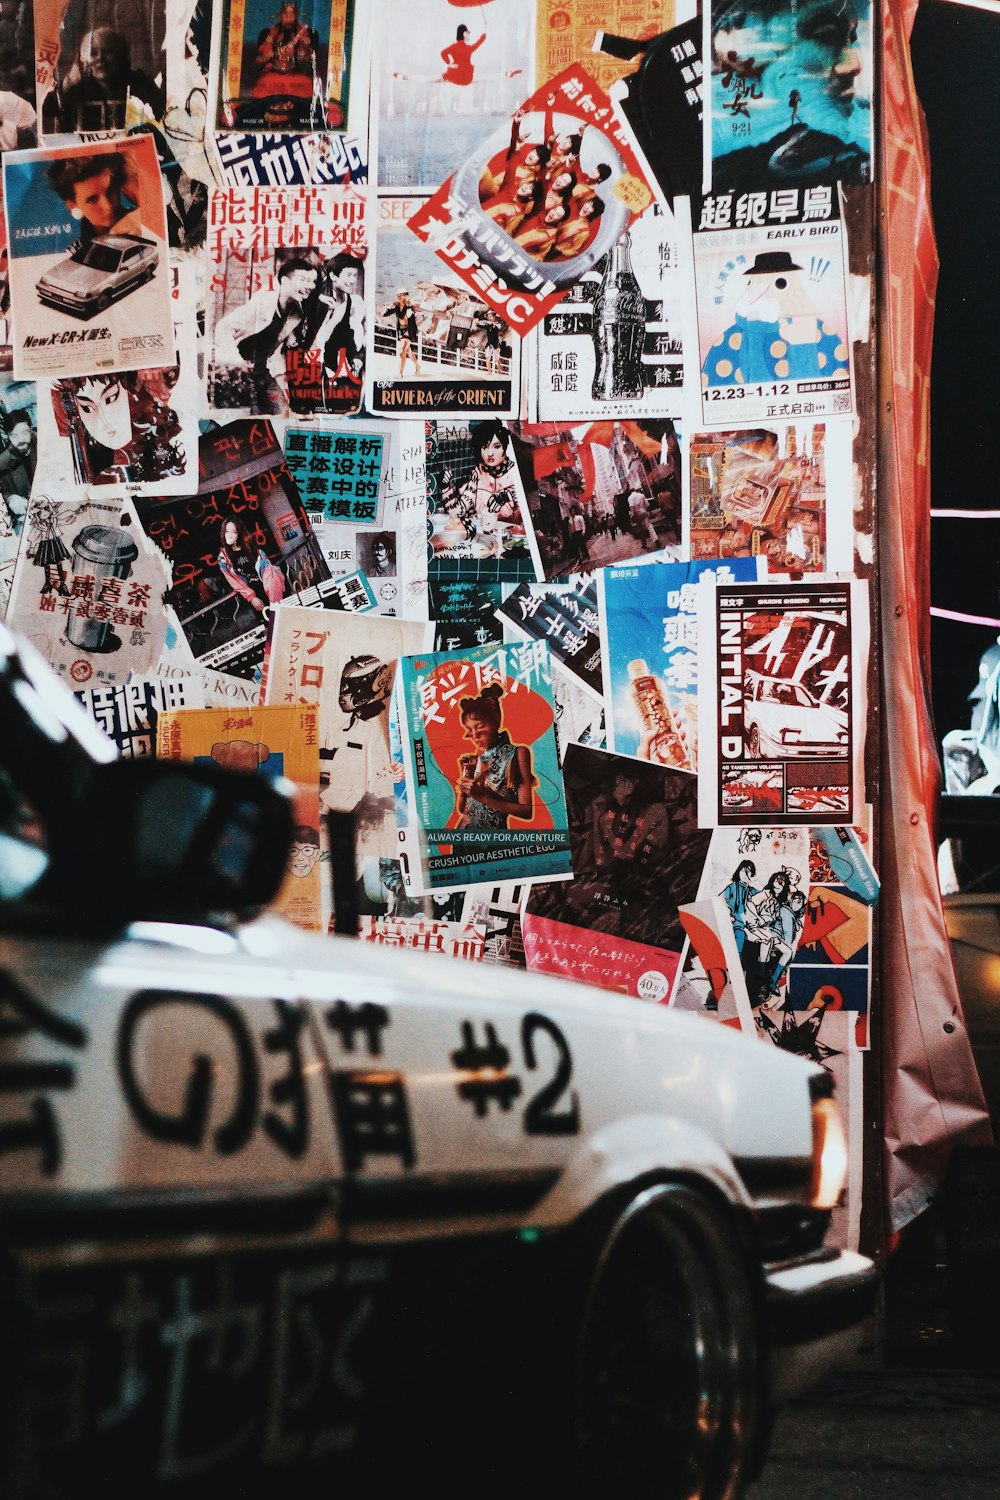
[956, 64]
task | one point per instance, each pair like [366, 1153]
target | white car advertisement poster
[90, 284]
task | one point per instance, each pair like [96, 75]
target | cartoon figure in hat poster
[779, 330]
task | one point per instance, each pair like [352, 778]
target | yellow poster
[273, 742]
[567, 29]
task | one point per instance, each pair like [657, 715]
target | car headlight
[829, 1154]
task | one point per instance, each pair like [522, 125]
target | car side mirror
[182, 841]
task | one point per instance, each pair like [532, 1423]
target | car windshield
[101, 257]
[790, 692]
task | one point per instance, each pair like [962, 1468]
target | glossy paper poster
[286, 306]
[275, 743]
[649, 649]
[448, 75]
[600, 492]
[89, 276]
[637, 856]
[771, 294]
[88, 591]
[484, 788]
[784, 491]
[781, 702]
[565, 616]
[710, 977]
[94, 60]
[660, 102]
[439, 347]
[790, 92]
[284, 66]
[346, 667]
[477, 516]
[539, 203]
[237, 548]
[612, 347]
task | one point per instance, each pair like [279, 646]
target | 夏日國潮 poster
[539, 203]
[790, 89]
[600, 493]
[448, 76]
[89, 275]
[637, 855]
[612, 348]
[438, 347]
[771, 297]
[284, 64]
[649, 650]
[784, 491]
[484, 790]
[781, 695]
[286, 308]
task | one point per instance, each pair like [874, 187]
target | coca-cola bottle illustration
[666, 744]
[619, 327]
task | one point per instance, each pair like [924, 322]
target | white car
[282, 1212]
[781, 718]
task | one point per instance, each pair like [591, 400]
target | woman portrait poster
[490, 804]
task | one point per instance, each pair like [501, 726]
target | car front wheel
[667, 1356]
[753, 748]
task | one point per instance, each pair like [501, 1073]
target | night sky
[956, 60]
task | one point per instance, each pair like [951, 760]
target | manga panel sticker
[284, 66]
[438, 346]
[602, 492]
[579, 715]
[790, 90]
[540, 202]
[276, 742]
[637, 855]
[782, 491]
[90, 284]
[445, 82]
[93, 61]
[781, 701]
[346, 667]
[237, 548]
[761, 875]
[484, 792]
[649, 652]
[612, 348]
[771, 297]
[87, 591]
[286, 306]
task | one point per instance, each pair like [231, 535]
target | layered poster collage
[453, 406]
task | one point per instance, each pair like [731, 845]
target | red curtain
[931, 1096]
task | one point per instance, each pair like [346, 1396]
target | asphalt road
[889, 1435]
